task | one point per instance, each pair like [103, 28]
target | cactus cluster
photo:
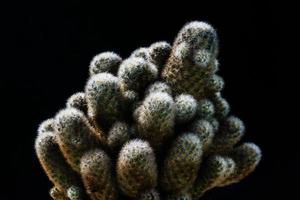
[149, 127]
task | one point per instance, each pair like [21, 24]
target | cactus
[185, 108]
[136, 168]
[105, 62]
[74, 135]
[192, 62]
[135, 73]
[182, 163]
[56, 194]
[95, 169]
[155, 118]
[103, 94]
[77, 101]
[52, 160]
[158, 53]
[211, 174]
[153, 126]
[204, 131]
[118, 135]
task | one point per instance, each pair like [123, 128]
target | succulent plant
[153, 126]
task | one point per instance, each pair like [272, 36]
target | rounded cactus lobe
[181, 163]
[192, 60]
[204, 130]
[185, 108]
[118, 135]
[96, 173]
[158, 86]
[136, 168]
[159, 53]
[56, 194]
[246, 157]
[46, 126]
[233, 125]
[205, 109]
[136, 73]
[75, 135]
[103, 97]
[77, 101]
[222, 107]
[76, 193]
[211, 174]
[53, 162]
[200, 35]
[149, 195]
[142, 52]
[230, 133]
[105, 62]
[155, 118]
[230, 170]
[214, 84]
[202, 58]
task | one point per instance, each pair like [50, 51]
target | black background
[50, 46]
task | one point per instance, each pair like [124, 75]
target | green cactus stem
[153, 126]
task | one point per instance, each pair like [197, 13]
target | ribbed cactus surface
[153, 126]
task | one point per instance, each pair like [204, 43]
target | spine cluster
[153, 126]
